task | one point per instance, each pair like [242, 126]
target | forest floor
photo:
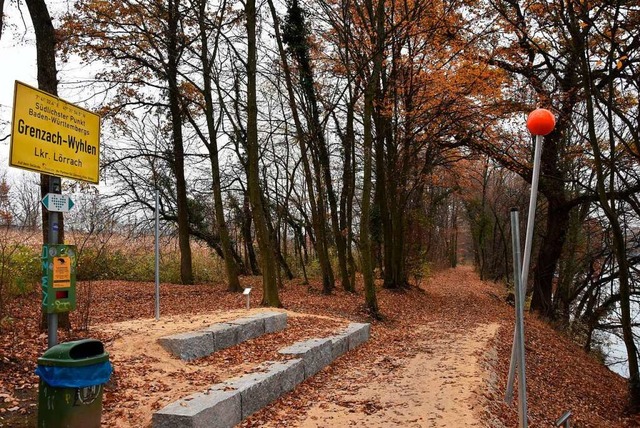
[438, 358]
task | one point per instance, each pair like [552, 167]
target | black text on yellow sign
[54, 137]
[61, 272]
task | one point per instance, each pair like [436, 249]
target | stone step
[226, 404]
[198, 344]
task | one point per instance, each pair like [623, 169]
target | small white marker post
[247, 292]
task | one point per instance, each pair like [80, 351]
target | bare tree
[258, 210]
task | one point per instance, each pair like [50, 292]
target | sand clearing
[148, 377]
[153, 377]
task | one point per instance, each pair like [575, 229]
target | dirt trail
[437, 388]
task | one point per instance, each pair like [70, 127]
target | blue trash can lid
[75, 377]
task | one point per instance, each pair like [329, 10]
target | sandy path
[439, 387]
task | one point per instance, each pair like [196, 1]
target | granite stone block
[214, 408]
[225, 335]
[339, 345]
[315, 354]
[358, 334]
[250, 328]
[290, 373]
[260, 390]
[190, 345]
[274, 322]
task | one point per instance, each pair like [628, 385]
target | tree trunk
[1, 17]
[548, 256]
[173, 18]
[322, 241]
[346, 197]
[247, 236]
[371, 300]
[233, 281]
[269, 278]
[316, 200]
[398, 250]
[48, 82]
[381, 200]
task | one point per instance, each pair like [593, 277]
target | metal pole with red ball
[540, 123]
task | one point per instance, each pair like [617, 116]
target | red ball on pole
[541, 121]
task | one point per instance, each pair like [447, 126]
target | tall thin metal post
[513, 364]
[528, 243]
[533, 201]
[157, 255]
[517, 275]
[54, 226]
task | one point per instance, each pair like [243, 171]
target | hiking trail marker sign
[57, 202]
[52, 136]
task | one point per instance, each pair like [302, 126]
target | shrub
[313, 268]
[419, 272]
[23, 270]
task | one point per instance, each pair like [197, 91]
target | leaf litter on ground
[560, 375]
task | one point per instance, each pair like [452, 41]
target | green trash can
[72, 378]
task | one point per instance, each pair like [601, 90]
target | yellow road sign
[54, 137]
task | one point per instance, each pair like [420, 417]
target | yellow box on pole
[54, 137]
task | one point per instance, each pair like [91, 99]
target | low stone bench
[226, 404]
[197, 344]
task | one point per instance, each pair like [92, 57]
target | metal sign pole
[533, 200]
[513, 363]
[517, 275]
[528, 243]
[53, 216]
[157, 254]
[75, 135]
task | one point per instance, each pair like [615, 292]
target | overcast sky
[18, 62]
